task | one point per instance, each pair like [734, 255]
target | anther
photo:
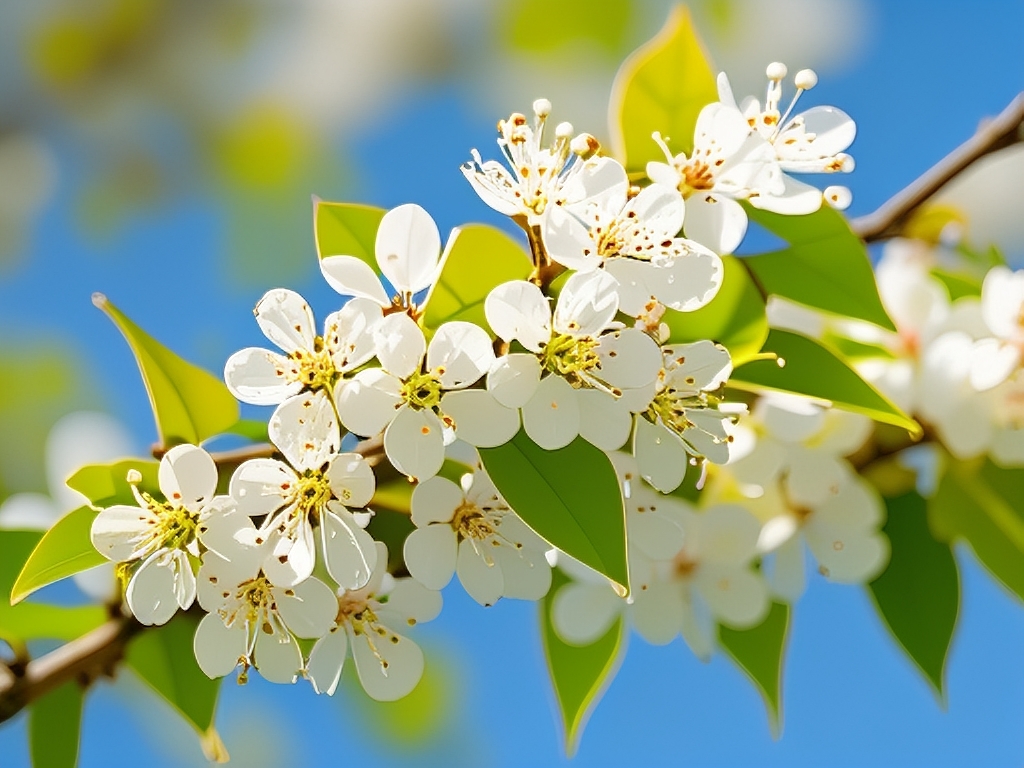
[777, 70]
[805, 79]
[542, 108]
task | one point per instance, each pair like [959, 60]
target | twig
[1002, 131]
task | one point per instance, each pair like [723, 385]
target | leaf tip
[99, 301]
[213, 747]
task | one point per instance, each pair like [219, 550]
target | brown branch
[84, 659]
[1000, 132]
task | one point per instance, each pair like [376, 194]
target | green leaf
[662, 86]
[918, 594]
[64, 550]
[107, 484]
[476, 259]
[981, 504]
[807, 368]
[579, 673]
[735, 318]
[346, 229]
[760, 652]
[164, 659]
[826, 266]
[570, 497]
[853, 350]
[254, 430]
[189, 403]
[958, 284]
[54, 727]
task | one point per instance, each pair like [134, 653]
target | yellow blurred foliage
[264, 148]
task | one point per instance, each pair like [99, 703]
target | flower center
[569, 356]
[313, 369]
[422, 391]
[470, 522]
[697, 176]
[669, 405]
[312, 492]
[683, 566]
[175, 527]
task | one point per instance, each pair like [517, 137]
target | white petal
[430, 555]
[184, 579]
[833, 131]
[728, 535]
[661, 455]
[629, 358]
[187, 476]
[701, 366]
[604, 421]
[400, 345]
[847, 556]
[583, 612]
[262, 486]
[350, 276]
[689, 281]
[992, 363]
[348, 333]
[151, 591]
[435, 501]
[659, 208]
[326, 661]
[493, 183]
[787, 576]
[813, 477]
[231, 534]
[518, 310]
[289, 559]
[708, 436]
[568, 240]
[776, 532]
[218, 648]
[351, 479]
[257, 376]
[408, 247]
[460, 353]
[305, 428]
[479, 418]
[349, 551]
[286, 319]
[219, 578]
[514, 379]
[480, 577]
[715, 221]
[656, 535]
[600, 182]
[699, 629]
[737, 597]
[636, 284]
[552, 417]
[389, 668]
[657, 612]
[116, 531]
[308, 609]
[278, 657]
[369, 402]
[412, 603]
[414, 443]
[587, 304]
[526, 574]
[795, 199]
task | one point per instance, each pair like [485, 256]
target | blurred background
[165, 152]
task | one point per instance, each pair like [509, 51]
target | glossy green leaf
[760, 652]
[807, 368]
[662, 87]
[476, 258]
[64, 550]
[918, 594]
[189, 403]
[346, 229]
[958, 285]
[826, 266]
[54, 727]
[251, 429]
[980, 503]
[735, 318]
[164, 659]
[570, 497]
[579, 673]
[107, 484]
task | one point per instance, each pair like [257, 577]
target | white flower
[310, 362]
[389, 665]
[251, 620]
[157, 538]
[472, 531]
[634, 238]
[583, 377]
[1002, 307]
[685, 417]
[408, 396]
[315, 487]
[538, 174]
[408, 248]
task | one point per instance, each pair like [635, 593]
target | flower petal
[262, 486]
[716, 222]
[286, 319]
[350, 276]
[151, 591]
[460, 353]
[587, 304]
[604, 421]
[737, 597]
[430, 555]
[187, 476]
[389, 665]
[435, 501]
[305, 429]
[412, 603]
[351, 478]
[786, 576]
[326, 661]
[568, 240]
[257, 376]
[518, 310]
[348, 333]
[583, 612]
[552, 417]
[657, 612]
[308, 609]
[349, 551]
[481, 579]
[217, 647]
[368, 403]
[408, 247]
[702, 366]
[526, 574]
[514, 379]
[661, 455]
[278, 657]
[400, 344]
[629, 358]
[289, 556]
[479, 418]
[118, 530]
[414, 443]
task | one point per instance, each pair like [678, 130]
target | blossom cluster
[578, 350]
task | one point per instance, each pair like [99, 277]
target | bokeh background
[165, 152]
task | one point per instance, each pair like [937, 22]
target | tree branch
[1000, 132]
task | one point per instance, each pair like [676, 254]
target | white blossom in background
[685, 418]
[583, 375]
[310, 362]
[995, 359]
[251, 621]
[315, 486]
[472, 531]
[408, 395]
[389, 665]
[536, 175]
[633, 237]
[407, 249]
[158, 538]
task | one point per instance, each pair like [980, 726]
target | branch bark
[1000, 132]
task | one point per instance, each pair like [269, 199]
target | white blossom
[995, 359]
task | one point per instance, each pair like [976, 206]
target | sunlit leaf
[807, 368]
[346, 229]
[476, 259]
[107, 484]
[918, 594]
[958, 284]
[64, 550]
[54, 727]
[760, 652]
[570, 497]
[826, 265]
[579, 673]
[735, 318]
[189, 403]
